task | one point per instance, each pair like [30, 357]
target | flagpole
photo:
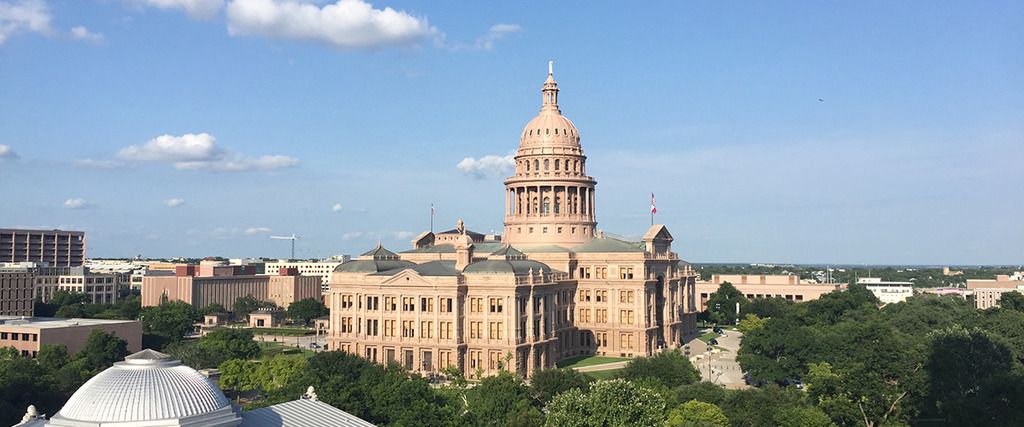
[431, 217]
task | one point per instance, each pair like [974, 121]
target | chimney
[463, 252]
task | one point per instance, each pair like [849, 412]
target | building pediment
[407, 277]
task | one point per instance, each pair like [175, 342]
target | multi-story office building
[753, 286]
[319, 268]
[552, 286]
[27, 335]
[102, 288]
[57, 248]
[986, 293]
[223, 284]
[16, 292]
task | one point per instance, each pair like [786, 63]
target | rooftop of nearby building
[54, 322]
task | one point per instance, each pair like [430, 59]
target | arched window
[546, 164]
[546, 207]
[556, 131]
[557, 165]
[536, 165]
[567, 165]
[533, 206]
[527, 165]
[576, 166]
[558, 201]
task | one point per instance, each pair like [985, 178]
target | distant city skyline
[886, 135]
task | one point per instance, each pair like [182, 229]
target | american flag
[654, 209]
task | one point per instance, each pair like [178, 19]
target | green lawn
[603, 375]
[271, 349]
[581, 361]
[708, 336]
[287, 332]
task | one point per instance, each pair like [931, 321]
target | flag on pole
[654, 209]
[431, 208]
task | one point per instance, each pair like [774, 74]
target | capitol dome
[147, 388]
[549, 127]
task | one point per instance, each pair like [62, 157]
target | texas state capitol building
[550, 287]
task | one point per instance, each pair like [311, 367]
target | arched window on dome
[557, 165]
[546, 164]
[556, 131]
[558, 201]
[536, 165]
[527, 165]
[576, 166]
[567, 165]
[546, 207]
[533, 206]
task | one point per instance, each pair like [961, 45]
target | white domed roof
[147, 386]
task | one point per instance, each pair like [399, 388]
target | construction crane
[293, 238]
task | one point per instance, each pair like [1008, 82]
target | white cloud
[345, 24]
[6, 152]
[173, 203]
[82, 33]
[77, 204]
[24, 16]
[256, 230]
[99, 164]
[487, 166]
[486, 41]
[198, 9]
[169, 148]
[200, 152]
[336, 207]
[378, 235]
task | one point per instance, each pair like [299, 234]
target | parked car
[751, 381]
[713, 341]
[791, 382]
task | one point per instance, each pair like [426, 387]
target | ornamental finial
[551, 67]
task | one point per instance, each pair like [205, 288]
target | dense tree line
[929, 358]
[925, 277]
[49, 379]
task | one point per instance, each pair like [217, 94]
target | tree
[608, 403]
[802, 417]
[1012, 300]
[750, 323]
[703, 391]
[52, 357]
[306, 310]
[23, 382]
[212, 308]
[548, 383]
[224, 344]
[237, 374]
[962, 364]
[278, 371]
[670, 368]
[500, 398]
[248, 304]
[721, 306]
[766, 308]
[72, 311]
[697, 414]
[757, 407]
[102, 349]
[171, 320]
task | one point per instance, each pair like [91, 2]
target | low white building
[888, 292]
[320, 268]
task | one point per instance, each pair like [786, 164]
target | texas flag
[654, 209]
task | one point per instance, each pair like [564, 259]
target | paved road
[719, 366]
[302, 341]
[603, 366]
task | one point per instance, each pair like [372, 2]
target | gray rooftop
[301, 413]
[609, 244]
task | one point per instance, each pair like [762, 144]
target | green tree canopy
[721, 306]
[305, 310]
[670, 368]
[548, 383]
[500, 398]
[609, 403]
[965, 367]
[1012, 300]
[766, 308]
[248, 304]
[750, 323]
[102, 349]
[171, 320]
[212, 308]
[697, 414]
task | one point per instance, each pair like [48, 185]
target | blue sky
[201, 127]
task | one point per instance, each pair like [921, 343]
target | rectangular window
[446, 305]
[427, 305]
[496, 305]
[408, 304]
[602, 316]
[426, 329]
[496, 330]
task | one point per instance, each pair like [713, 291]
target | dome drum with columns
[550, 199]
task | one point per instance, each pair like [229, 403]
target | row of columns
[530, 200]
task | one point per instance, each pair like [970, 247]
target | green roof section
[517, 267]
[379, 252]
[444, 248]
[432, 268]
[608, 244]
[371, 266]
[545, 249]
